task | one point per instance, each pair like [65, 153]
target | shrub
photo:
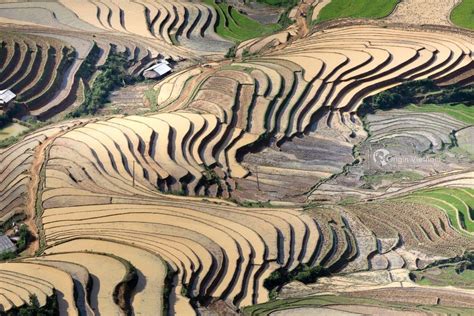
[34, 309]
[25, 238]
[13, 111]
[231, 52]
[7, 256]
[302, 273]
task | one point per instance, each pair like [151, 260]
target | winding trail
[33, 189]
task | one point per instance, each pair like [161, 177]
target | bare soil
[129, 100]
[288, 171]
[422, 12]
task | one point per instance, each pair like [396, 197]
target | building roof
[6, 245]
[161, 68]
[6, 96]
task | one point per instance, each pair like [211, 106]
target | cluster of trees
[302, 273]
[113, 74]
[25, 238]
[14, 110]
[34, 309]
[464, 262]
[210, 177]
[88, 68]
[467, 263]
[416, 92]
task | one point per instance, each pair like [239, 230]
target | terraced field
[460, 112]
[236, 26]
[243, 183]
[186, 22]
[46, 70]
[458, 204]
[346, 306]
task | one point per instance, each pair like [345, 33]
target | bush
[13, 111]
[25, 238]
[7, 256]
[231, 52]
[302, 273]
[34, 309]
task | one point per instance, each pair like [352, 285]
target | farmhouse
[158, 70]
[6, 96]
[6, 245]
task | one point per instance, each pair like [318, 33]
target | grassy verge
[463, 14]
[237, 27]
[370, 9]
[150, 95]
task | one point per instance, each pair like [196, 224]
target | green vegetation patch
[237, 27]
[25, 238]
[280, 3]
[370, 9]
[302, 273]
[457, 203]
[463, 14]
[459, 111]
[454, 100]
[445, 276]
[151, 97]
[113, 74]
[457, 271]
[33, 308]
[13, 110]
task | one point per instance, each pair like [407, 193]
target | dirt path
[33, 187]
[38, 159]
[301, 19]
[421, 12]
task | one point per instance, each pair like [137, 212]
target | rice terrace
[236, 157]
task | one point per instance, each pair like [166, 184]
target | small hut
[157, 71]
